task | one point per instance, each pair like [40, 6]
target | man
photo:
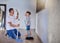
[11, 25]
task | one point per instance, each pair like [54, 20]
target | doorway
[2, 16]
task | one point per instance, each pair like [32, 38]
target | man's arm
[13, 25]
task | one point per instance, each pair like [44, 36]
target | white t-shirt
[10, 19]
[28, 22]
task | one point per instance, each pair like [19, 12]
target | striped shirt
[28, 22]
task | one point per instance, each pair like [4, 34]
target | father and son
[11, 24]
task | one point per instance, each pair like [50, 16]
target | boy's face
[12, 12]
[27, 14]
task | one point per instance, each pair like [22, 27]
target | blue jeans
[28, 27]
[13, 33]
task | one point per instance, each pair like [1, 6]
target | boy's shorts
[28, 27]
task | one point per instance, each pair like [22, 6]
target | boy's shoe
[29, 38]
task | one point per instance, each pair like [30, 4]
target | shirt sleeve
[8, 19]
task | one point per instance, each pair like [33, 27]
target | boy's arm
[13, 25]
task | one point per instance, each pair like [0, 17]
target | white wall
[53, 21]
[2, 1]
[23, 6]
[42, 25]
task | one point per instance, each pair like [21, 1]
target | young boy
[10, 25]
[28, 23]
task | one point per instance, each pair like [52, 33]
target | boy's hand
[16, 17]
[18, 25]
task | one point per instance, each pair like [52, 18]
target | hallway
[45, 20]
[4, 39]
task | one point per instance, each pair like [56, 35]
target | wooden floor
[5, 39]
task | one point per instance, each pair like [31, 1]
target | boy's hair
[28, 12]
[10, 9]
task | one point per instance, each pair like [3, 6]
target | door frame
[4, 15]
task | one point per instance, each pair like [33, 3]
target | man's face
[27, 14]
[12, 12]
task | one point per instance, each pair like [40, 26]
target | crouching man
[10, 25]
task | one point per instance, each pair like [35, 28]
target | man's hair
[28, 12]
[10, 9]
